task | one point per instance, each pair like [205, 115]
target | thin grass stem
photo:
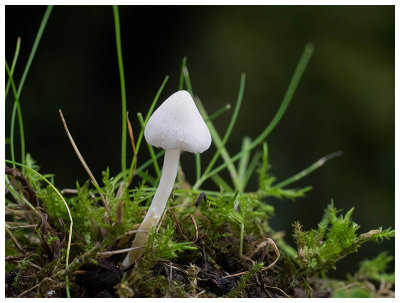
[122, 82]
[218, 112]
[215, 136]
[130, 131]
[153, 104]
[298, 73]
[250, 169]
[149, 162]
[198, 166]
[101, 192]
[182, 75]
[309, 169]
[302, 64]
[16, 108]
[220, 144]
[45, 18]
[243, 214]
[157, 96]
[219, 181]
[208, 119]
[85, 166]
[21, 83]
[20, 197]
[188, 83]
[151, 150]
[244, 160]
[13, 64]
[231, 168]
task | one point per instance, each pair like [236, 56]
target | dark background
[345, 100]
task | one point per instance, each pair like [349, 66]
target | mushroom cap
[177, 124]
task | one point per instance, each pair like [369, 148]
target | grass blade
[214, 134]
[149, 162]
[198, 166]
[219, 181]
[151, 150]
[309, 169]
[301, 66]
[182, 75]
[34, 47]
[157, 96]
[249, 172]
[14, 62]
[294, 82]
[16, 108]
[244, 160]
[231, 168]
[21, 84]
[187, 80]
[218, 112]
[122, 81]
[153, 104]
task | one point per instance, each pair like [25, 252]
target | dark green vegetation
[208, 244]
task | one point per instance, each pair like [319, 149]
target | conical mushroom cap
[177, 124]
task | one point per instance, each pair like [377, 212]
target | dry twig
[133, 147]
[267, 240]
[86, 167]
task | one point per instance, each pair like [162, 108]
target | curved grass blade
[235, 114]
[17, 108]
[301, 66]
[21, 84]
[14, 62]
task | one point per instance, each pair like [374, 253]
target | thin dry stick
[195, 228]
[69, 191]
[115, 252]
[178, 225]
[22, 212]
[35, 266]
[278, 254]
[274, 287]
[258, 244]
[106, 204]
[131, 232]
[34, 287]
[15, 241]
[161, 221]
[176, 268]
[19, 226]
[169, 274]
[133, 147]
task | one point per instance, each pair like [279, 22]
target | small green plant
[320, 249]
[207, 243]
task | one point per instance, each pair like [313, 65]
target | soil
[98, 281]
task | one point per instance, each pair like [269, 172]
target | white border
[181, 2]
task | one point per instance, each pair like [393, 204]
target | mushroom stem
[156, 209]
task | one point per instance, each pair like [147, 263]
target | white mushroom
[175, 126]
